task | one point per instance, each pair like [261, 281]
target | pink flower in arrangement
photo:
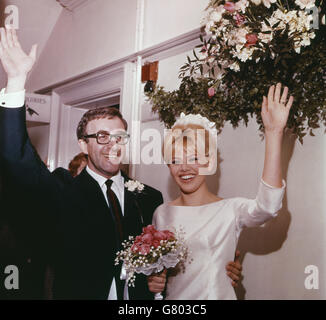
[149, 229]
[138, 239]
[239, 19]
[147, 238]
[203, 49]
[229, 6]
[135, 247]
[211, 92]
[159, 235]
[251, 39]
[150, 238]
[156, 243]
[169, 235]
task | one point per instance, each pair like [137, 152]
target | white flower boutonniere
[133, 185]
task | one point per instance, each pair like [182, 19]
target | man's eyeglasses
[104, 137]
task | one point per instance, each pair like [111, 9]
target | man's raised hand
[15, 61]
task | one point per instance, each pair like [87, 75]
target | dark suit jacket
[80, 229]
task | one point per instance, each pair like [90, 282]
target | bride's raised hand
[15, 61]
[275, 109]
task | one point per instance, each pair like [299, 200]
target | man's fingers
[15, 38]
[32, 53]
[237, 253]
[234, 284]
[157, 280]
[238, 265]
[233, 270]
[233, 276]
[9, 36]
[3, 38]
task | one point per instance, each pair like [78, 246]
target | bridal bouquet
[151, 252]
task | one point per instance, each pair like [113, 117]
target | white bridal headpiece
[197, 119]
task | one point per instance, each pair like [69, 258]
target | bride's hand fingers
[270, 96]
[284, 95]
[289, 104]
[277, 93]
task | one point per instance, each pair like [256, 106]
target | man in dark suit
[85, 218]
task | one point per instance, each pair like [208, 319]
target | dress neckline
[203, 205]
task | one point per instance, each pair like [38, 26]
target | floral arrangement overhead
[245, 47]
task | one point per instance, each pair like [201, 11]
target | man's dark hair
[98, 113]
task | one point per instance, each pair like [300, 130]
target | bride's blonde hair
[192, 138]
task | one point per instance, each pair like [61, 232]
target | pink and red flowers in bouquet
[150, 238]
[151, 252]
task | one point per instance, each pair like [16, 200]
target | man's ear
[83, 146]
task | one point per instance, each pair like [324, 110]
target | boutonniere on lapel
[134, 186]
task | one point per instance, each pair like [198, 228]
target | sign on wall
[38, 107]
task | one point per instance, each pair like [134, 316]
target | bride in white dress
[212, 225]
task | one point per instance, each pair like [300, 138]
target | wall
[97, 33]
[174, 18]
[68, 144]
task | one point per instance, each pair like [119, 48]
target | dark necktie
[116, 210]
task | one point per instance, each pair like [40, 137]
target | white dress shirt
[119, 189]
[12, 100]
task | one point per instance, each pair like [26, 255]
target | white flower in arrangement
[235, 66]
[209, 26]
[202, 55]
[305, 4]
[133, 185]
[216, 16]
[265, 37]
[241, 5]
[267, 3]
[243, 53]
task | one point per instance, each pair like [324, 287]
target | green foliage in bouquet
[226, 79]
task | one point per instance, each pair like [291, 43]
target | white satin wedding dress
[211, 234]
